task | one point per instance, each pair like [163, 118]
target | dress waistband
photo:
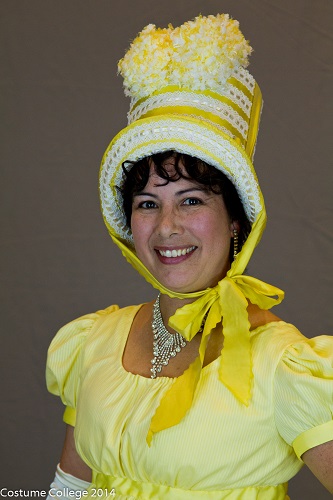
[122, 488]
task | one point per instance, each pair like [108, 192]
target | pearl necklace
[165, 345]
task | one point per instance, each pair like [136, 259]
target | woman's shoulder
[265, 324]
[270, 333]
[73, 335]
[260, 317]
[68, 348]
[81, 326]
[84, 323]
[276, 339]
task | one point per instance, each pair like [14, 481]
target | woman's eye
[192, 201]
[147, 204]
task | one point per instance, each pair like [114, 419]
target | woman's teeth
[175, 253]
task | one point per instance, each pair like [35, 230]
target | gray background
[61, 103]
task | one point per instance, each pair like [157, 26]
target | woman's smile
[174, 255]
[182, 233]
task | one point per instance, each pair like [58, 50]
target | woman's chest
[145, 348]
[218, 438]
[219, 441]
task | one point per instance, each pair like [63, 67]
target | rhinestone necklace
[165, 345]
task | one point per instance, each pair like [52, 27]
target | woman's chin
[186, 287]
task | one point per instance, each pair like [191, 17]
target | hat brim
[184, 134]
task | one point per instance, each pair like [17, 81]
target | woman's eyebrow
[188, 190]
[177, 193]
[144, 193]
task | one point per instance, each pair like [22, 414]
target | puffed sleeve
[303, 389]
[65, 357]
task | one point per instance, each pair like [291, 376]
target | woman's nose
[169, 223]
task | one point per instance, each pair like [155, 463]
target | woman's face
[181, 232]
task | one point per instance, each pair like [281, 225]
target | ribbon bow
[227, 302]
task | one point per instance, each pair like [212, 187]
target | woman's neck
[169, 306]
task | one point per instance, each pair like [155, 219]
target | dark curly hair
[186, 167]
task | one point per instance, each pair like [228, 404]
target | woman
[203, 393]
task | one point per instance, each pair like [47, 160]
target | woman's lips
[174, 255]
[175, 252]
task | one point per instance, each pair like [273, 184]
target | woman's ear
[234, 226]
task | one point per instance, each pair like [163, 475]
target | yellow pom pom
[200, 54]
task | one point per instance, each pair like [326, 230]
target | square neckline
[130, 316]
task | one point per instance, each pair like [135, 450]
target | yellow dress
[222, 449]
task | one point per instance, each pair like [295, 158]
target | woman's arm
[320, 461]
[70, 461]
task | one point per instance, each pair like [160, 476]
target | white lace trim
[239, 98]
[220, 127]
[199, 101]
[245, 78]
[188, 138]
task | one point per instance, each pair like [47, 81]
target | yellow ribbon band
[208, 93]
[254, 121]
[196, 113]
[213, 116]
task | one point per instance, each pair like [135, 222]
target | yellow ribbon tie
[188, 319]
[179, 398]
[226, 302]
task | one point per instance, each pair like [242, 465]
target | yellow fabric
[70, 416]
[193, 111]
[313, 437]
[208, 93]
[137, 490]
[254, 121]
[240, 86]
[226, 447]
[317, 365]
[69, 368]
